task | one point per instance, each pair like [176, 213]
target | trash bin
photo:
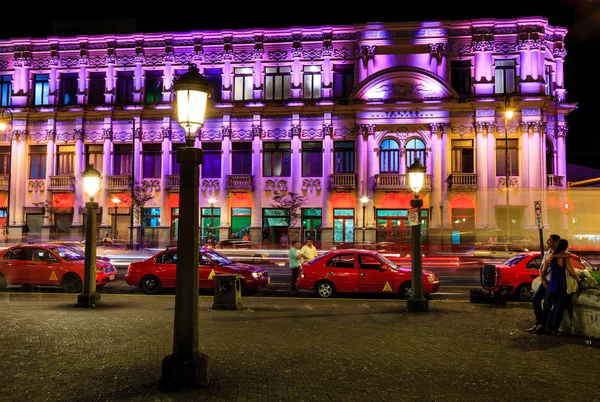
[228, 292]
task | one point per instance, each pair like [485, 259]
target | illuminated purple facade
[333, 113]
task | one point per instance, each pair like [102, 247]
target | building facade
[328, 113]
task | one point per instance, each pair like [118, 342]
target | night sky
[581, 17]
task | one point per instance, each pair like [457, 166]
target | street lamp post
[116, 202]
[416, 301]
[10, 131]
[132, 185]
[186, 366]
[364, 201]
[508, 114]
[91, 185]
[212, 201]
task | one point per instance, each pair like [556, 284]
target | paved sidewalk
[289, 349]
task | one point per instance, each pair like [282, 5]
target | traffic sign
[537, 207]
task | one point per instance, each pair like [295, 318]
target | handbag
[572, 285]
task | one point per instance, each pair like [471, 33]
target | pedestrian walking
[295, 262]
[541, 304]
[309, 251]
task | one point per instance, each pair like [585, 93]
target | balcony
[62, 183]
[121, 182]
[343, 181]
[462, 181]
[397, 182]
[553, 181]
[239, 182]
[4, 183]
[172, 182]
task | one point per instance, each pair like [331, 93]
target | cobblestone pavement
[289, 349]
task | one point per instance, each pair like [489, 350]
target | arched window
[389, 156]
[415, 149]
[549, 158]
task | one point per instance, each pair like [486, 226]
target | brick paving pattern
[282, 349]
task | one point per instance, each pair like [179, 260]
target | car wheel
[2, 282]
[325, 289]
[71, 283]
[524, 292]
[150, 284]
[405, 290]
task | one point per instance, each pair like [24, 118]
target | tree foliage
[292, 202]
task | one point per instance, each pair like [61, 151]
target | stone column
[524, 59]
[227, 74]
[223, 199]
[296, 91]
[369, 190]
[22, 156]
[77, 171]
[481, 169]
[138, 77]
[107, 159]
[561, 161]
[295, 179]
[258, 90]
[326, 224]
[47, 229]
[327, 87]
[53, 83]
[110, 94]
[258, 183]
[82, 81]
[526, 168]
[437, 179]
[168, 76]
[537, 171]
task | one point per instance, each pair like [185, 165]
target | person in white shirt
[309, 251]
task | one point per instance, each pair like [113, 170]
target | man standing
[541, 304]
[309, 251]
[295, 257]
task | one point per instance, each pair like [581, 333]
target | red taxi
[158, 272]
[49, 265]
[517, 273]
[360, 271]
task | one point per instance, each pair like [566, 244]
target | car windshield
[68, 254]
[218, 258]
[514, 260]
[388, 262]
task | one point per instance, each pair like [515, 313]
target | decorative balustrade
[462, 181]
[172, 182]
[121, 182]
[555, 181]
[4, 183]
[343, 181]
[62, 183]
[397, 182]
[239, 182]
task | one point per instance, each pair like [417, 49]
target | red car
[517, 273]
[158, 272]
[49, 265]
[360, 271]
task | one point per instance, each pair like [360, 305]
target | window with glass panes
[122, 160]
[505, 76]
[65, 155]
[343, 80]
[312, 159]
[415, 149]
[241, 158]
[549, 157]
[242, 84]
[125, 87]
[4, 160]
[311, 82]
[211, 160]
[214, 77]
[151, 160]
[37, 161]
[41, 89]
[463, 159]
[548, 78]
[389, 157]
[93, 156]
[343, 157]
[97, 87]
[513, 157]
[151, 217]
[5, 90]
[277, 159]
[311, 224]
[278, 81]
[175, 167]
[210, 220]
[460, 76]
[153, 86]
[68, 88]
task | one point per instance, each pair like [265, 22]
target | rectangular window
[548, 78]
[311, 224]
[68, 88]
[311, 82]
[312, 159]
[502, 164]
[241, 158]
[175, 167]
[5, 90]
[278, 81]
[463, 220]
[505, 76]
[65, 155]
[151, 217]
[154, 86]
[41, 89]
[94, 156]
[151, 160]
[343, 157]
[241, 219]
[4, 160]
[460, 76]
[211, 163]
[97, 88]
[37, 161]
[463, 159]
[215, 79]
[343, 225]
[277, 159]
[122, 160]
[125, 87]
[210, 220]
[242, 84]
[343, 80]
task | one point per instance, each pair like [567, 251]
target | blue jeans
[558, 300]
[541, 305]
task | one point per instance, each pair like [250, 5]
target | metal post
[212, 220]
[132, 186]
[364, 221]
[10, 130]
[507, 168]
[186, 365]
[416, 301]
[89, 297]
[114, 235]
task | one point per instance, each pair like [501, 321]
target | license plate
[112, 277]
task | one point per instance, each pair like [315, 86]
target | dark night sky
[581, 17]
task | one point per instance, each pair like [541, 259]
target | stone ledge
[584, 319]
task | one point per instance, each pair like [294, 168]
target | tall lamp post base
[185, 372]
[88, 299]
[417, 305]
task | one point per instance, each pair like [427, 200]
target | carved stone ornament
[513, 182]
[65, 136]
[276, 186]
[344, 132]
[277, 134]
[311, 185]
[211, 135]
[211, 186]
[462, 130]
[277, 55]
[33, 186]
[312, 133]
[150, 185]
